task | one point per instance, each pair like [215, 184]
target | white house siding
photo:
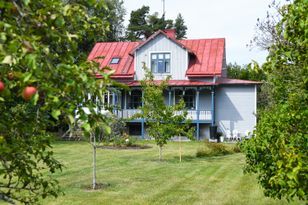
[162, 44]
[236, 108]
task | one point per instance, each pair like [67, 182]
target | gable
[198, 58]
[162, 45]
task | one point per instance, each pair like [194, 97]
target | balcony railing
[192, 114]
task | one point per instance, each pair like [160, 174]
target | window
[115, 60]
[135, 100]
[160, 62]
[188, 97]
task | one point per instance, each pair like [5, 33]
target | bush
[215, 149]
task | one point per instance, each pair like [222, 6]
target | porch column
[113, 102]
[169, 99]
[213, 105]
[198, 112]
[142, 120]
[125, 100]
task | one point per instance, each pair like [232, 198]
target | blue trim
[198, 131]
[213, 105]
[169, 100]
[142, 128]
[142, 120]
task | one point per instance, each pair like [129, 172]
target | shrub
[215, 149]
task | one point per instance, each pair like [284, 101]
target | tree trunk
[160, 152]
[94, 163]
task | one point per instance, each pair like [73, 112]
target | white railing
[127, 113]
[191, 114]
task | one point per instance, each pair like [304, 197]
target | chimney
[170, 33]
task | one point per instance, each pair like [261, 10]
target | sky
[234, 20]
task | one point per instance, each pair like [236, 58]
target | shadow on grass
[191, 158]
[99, 186]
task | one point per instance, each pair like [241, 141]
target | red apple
[28, 92]
[2, 86]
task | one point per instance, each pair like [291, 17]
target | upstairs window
[160, 62]
[115, 60]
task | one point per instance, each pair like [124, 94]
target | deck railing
[192, 114]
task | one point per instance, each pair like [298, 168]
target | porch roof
[195, 83]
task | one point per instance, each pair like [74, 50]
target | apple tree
[42, 76]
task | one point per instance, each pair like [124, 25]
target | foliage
[116, 20]
[138, 28]
[163, 121]
[142, 24]
[180, 27]
[278, 152]
[40, 45]
[252, 71]
[266, 33]
[215, 149]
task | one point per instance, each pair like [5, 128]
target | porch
[199, 103]
[203, 116]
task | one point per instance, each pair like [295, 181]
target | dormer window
[115, 60]
[160, 62]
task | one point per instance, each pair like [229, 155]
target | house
[198, 74]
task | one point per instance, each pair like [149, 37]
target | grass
[137, 177]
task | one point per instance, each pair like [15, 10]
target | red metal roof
[109, 50]
[208, 59]
[228, 81]
[186, 83]
[206, 56]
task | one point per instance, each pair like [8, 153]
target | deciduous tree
[40, 47]
[163, 121]
[278, 151]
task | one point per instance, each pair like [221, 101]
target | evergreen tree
[138, 28]
[180, 27]
[142, 24]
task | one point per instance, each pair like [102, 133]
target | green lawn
[137, 177]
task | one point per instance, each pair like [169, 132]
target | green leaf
[86, 127]
[27, 76]
[55, 114]
[7, 60]
[71, 119]
[35, 99]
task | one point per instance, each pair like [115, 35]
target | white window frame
[160, 52]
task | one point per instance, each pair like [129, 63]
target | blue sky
[234, 20]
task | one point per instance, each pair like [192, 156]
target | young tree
[180, 27]
[163, 121]
[45, 77]
[278, 152]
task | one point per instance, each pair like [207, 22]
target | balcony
[204, 115]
